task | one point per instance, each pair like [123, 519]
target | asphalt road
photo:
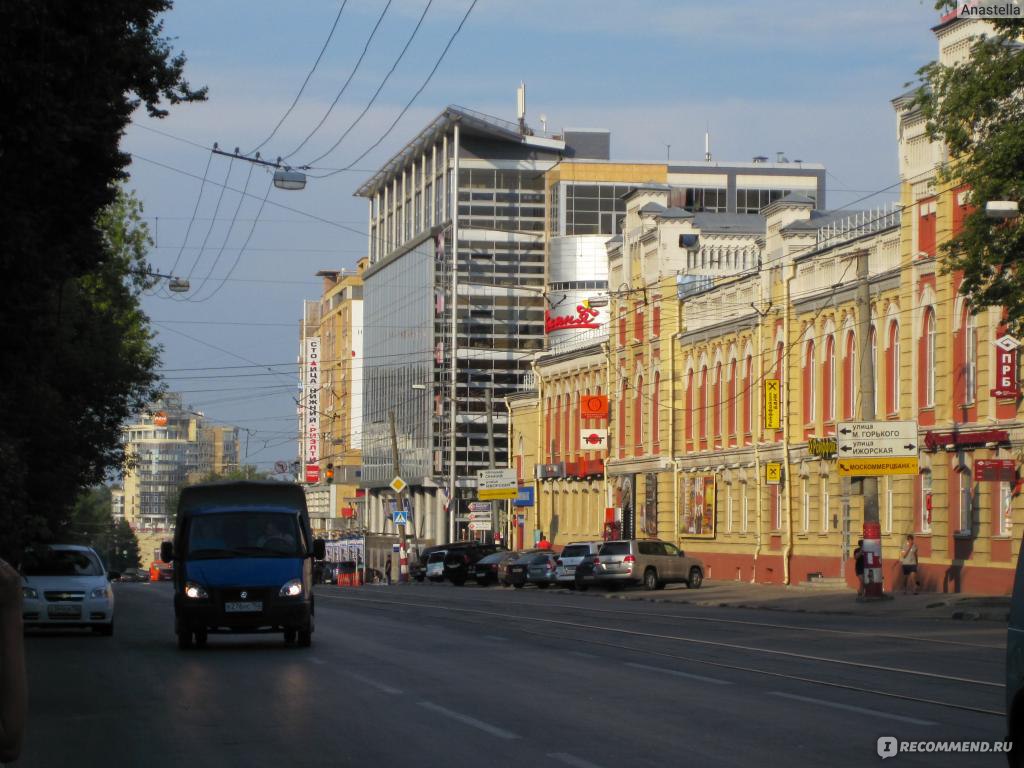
[434, 675]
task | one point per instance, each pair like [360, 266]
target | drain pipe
[787, 553]
[756, 431]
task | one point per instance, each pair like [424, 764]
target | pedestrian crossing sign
[400, 517]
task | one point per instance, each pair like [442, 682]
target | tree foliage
[976, 108]
[91, 522]
[77, 356]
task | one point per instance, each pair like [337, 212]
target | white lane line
[373, 684]
[677, 673]
[576, 762]
[315, 660]
[494, 730]
[851, 708]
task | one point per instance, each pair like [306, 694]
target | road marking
[494, 637]
[494, 730]
[677, 673]
[316, 660]
[576, 762]
[583, 654]
[374, 684]
[851, 708]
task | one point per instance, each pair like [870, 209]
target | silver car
[541, 570]
[571, 557]
[650, 562]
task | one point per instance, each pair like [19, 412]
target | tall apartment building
[165, 449]
[338, 322]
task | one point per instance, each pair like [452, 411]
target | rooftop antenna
[521, 106]
[668, 153]
[707, 144]
[544, 123]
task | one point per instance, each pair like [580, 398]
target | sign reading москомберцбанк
[867, 448]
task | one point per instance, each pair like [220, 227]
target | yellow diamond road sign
[398, 484]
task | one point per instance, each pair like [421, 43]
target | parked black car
[518, 569]
[461, 557]
[487, 569]
[584, 575]
[134, 574]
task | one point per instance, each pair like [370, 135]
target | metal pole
[869, 485]
[453, 196]
[490, 449]
[403, 555]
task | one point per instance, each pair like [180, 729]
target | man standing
[908, 559]
[387, 569]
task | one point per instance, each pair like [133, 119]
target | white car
[66, 585]
[571, 556]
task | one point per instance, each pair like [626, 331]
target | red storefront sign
[312, 473]
[594, 407]
[1006, 368]
[1003, 470]
[935, 441]
[584, 318]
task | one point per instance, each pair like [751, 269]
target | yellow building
[340, 330]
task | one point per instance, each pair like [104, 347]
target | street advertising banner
[311, 401]
[697, 496]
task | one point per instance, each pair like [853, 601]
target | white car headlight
[291, 589]
[29, 593]
[100, 593]
[195, 591]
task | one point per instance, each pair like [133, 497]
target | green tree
[91, 522]
[77, 354]
[975, 109]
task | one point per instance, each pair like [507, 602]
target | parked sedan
[435, 565]
[487, 570]
[505, 566]
[542, 570]
[134, 575]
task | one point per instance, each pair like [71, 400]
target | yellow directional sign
[496, 494]
[772, 404]
[773, 473]
[872, 467]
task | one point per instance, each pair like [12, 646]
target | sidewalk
[807, 599]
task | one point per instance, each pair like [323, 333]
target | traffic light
[329, 473]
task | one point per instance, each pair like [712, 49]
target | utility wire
[376, 93]
[344, 87]
[305, 82]
[195, 210]
[213, 221]
[408, 105]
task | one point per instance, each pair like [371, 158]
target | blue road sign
[400, 517]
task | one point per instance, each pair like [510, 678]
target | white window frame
[889, 497]
[806, 496]
[830, 361]
[1005, 508]
[966, 503]
[745, 510]
[894, 374]
[826, 503]
[728, 508]
[970, 359]
[925, 480]
[929, 346]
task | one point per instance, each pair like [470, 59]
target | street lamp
[289, 179]
[1002, 209]
[285, 177]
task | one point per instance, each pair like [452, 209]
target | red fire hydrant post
[872, 559]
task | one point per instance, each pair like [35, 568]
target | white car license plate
[253, 606]
[435, 569]
[64, 611]
[570, 569]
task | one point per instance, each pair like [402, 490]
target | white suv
[571, 556]
[66, 585]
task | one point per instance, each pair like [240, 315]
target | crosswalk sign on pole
[400, 517]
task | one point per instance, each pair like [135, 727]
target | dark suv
[461, 557]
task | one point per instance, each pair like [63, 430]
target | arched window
[748, 395]
[892, 370]
[546, 448]
[828, 385]
[970, 358]
[717, 403]
[689, 405]
[810, 396]
[557, 442]
[850, 376]
[927, 359]
[702, 414]
[638, 418]
[656, 414]
[873, 341]
[622, 418]
[731, 399]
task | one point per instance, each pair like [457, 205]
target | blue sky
[811, 78]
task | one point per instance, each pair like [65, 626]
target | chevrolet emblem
[244, 595]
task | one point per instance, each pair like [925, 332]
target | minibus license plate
[250, 607]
